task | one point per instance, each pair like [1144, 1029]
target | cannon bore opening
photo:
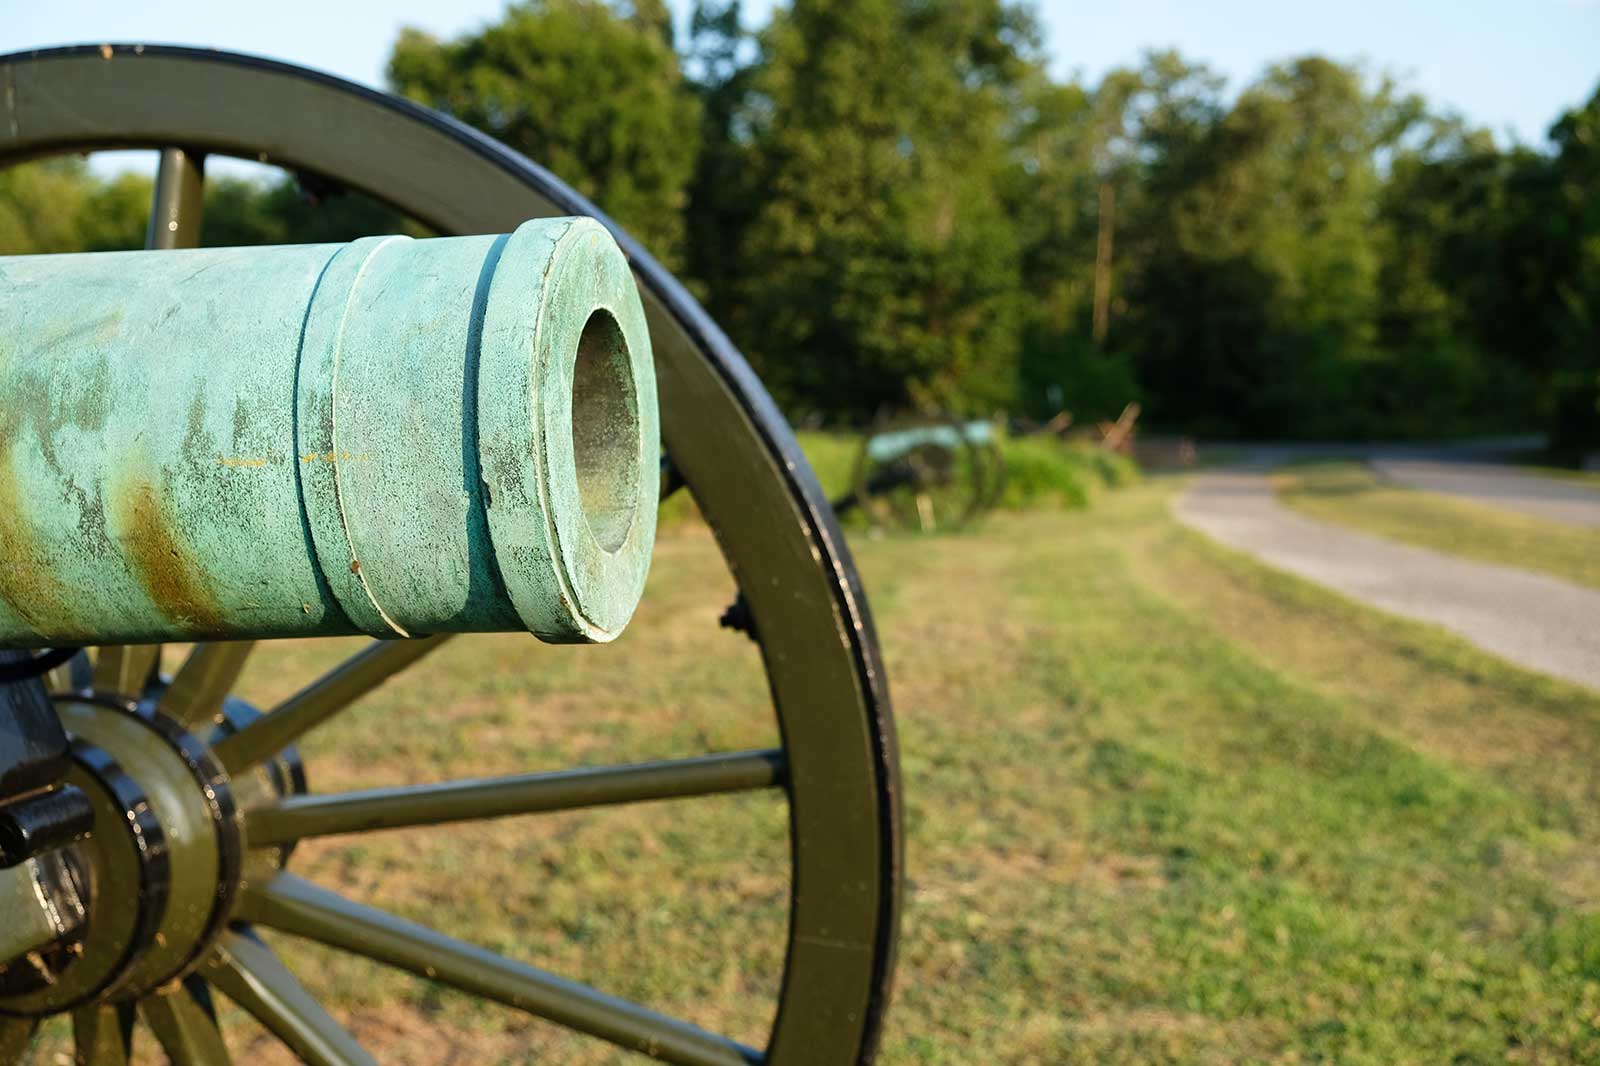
[605, 430]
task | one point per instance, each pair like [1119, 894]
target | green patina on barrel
[393, 436]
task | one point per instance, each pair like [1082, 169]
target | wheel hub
[161, 870]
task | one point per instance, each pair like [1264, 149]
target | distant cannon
[928, 475]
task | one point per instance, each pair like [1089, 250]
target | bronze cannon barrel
[392, 436]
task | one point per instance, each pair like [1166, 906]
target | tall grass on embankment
[1043, 473]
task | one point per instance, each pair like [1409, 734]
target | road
[1538, 622]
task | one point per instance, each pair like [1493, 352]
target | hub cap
[167, 838]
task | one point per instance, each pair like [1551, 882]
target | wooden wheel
[163, 935]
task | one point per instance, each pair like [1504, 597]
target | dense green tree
[880, 269]
[1491, 278]
[891, 204]
[719, 55]
[242, 212]
[1575, 425]
[1453, 280]
[652, 16]
[32, 201]
[590, 92]
[1081, 159]
[1049, 190]
[1255, 252]
[57, 205]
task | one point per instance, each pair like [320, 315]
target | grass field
[1163, 806]
[1539, 463]
[1585, 477]
[1350, 494]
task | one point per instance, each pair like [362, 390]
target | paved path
[1549, 498]
[1538, 622]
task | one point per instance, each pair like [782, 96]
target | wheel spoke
[175, 209]
[321, 700]
[126, 669]
[247, 972]
[207, 676]
[300, 908]
[102, 1035]
[298, 817]
[16, 1037]
[184, 1026]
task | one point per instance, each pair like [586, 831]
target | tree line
[892, 204]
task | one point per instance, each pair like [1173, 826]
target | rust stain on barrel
[27, 581]
[161, 561]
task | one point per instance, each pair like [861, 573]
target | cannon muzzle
[393, 437]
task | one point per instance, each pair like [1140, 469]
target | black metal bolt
[42, 823]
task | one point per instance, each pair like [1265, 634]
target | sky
[1510, 65]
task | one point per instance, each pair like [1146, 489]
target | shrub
[1042, 472]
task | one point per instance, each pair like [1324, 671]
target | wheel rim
[727, 441]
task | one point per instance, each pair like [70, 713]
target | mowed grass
[1163, 806]
[1350, 494]
[1585, 477]
[1536, 464]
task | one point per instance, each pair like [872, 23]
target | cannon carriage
[927, 474]
[148, 820]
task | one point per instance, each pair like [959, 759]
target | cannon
[927, 474]
[177, 423]
[415, 440]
